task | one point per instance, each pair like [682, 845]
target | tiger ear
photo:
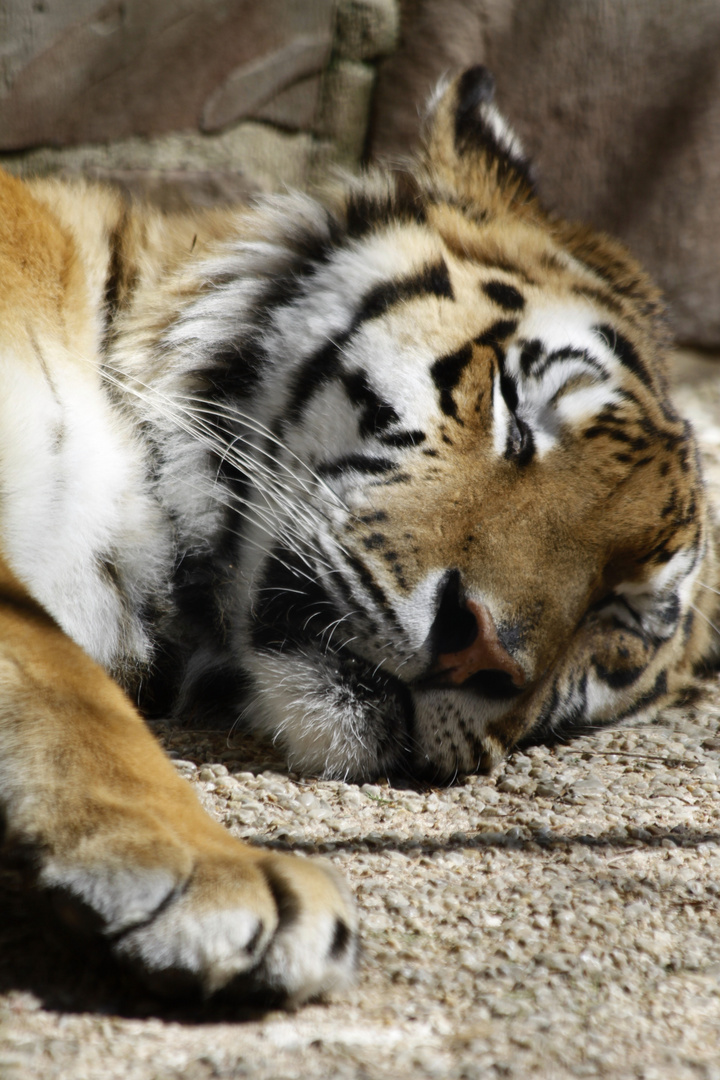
[470, 149]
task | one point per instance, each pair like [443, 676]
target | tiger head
[472, 515]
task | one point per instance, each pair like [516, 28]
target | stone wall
[190, 100]
[618, 104]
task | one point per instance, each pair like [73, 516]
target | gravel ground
[559, 919]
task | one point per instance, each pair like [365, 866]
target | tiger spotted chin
[391, 477]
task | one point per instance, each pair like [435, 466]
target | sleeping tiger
[392, 478]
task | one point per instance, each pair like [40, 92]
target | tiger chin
[392, 478]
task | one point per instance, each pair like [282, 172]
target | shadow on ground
[72, 974]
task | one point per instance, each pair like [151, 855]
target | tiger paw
[256, 927]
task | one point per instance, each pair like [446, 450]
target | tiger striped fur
[392, 478]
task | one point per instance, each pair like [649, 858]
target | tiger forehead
[527, 251]
[505, 264]
[443, 303]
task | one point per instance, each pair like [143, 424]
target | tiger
[388, 474]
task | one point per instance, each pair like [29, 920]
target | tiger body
[393, 477]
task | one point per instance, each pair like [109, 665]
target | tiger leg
[124, 847]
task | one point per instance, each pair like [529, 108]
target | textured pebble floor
[559, 919]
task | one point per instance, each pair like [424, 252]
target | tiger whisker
[245, 464]
[282, 529]
[707, 620]
[709, 588]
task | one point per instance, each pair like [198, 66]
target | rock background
[618, 104]
[190, 101]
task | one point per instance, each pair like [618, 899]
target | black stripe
[315, 372]
[530, 352]
[402, 202]
[239, 361]
[617, 678]
[661, 553]
[311, 250]
[508, 268]
[120, 280]
[569, 353]
[364, 623]
[648, 698]
[508, 384]
[109, 571]
[393, 560]
[476, 89]
[543, 722]
[113, 281]
[341, 939]
[638, 443]
[504, 295]
[287, 903]
[446, 373]
[363, 463]
[290, 608]
[625, 352]
[508, 389]
[233, 374]
[520, 443]
[598, 297]
[376, 413]
[432, 280]
[372, 587]
[614, 272]
[402, 439]
[496, 334]
[225, 387]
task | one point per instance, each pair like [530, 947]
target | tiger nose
[466, 641]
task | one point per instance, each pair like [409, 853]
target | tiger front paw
[259, 927]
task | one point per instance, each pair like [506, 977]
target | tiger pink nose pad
[485, 653]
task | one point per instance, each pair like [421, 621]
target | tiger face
[471, 515]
